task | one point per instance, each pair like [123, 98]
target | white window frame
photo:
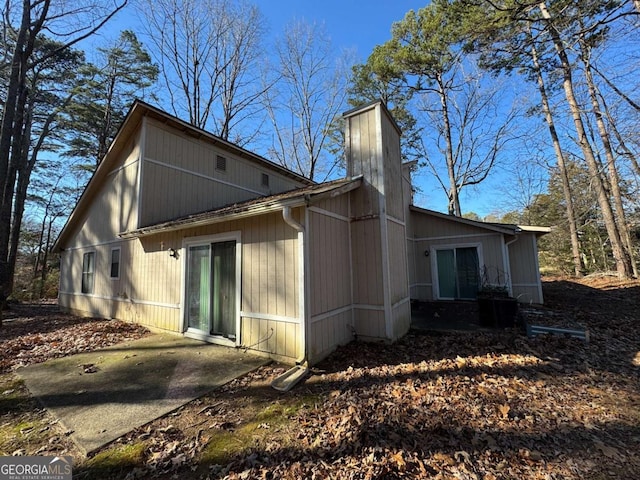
[206, 240]
[434, 263]
[93, 273]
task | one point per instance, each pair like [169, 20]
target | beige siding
[329, 260]
[180, 176]
[430, 232]
[525, 274]
[327, 333]
[367, 264]
[398, 275]
[114, 206]
[280, 340]
[393, 171]
[401, 319]
[369, 323]
[149, 288]
[147, 291]
[362, 145]
[330, 299]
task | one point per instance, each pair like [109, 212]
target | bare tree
[612, 169]
[560, 157]
[470, 132]
[23, 23]
[620, 254]
[309, 94]
[209, 52]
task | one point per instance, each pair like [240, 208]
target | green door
[211, 289]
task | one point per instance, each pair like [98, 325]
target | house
[183, 232]
[454, 258]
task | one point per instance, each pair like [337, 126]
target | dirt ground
[469, 405]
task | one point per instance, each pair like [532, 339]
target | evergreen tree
[123, 72]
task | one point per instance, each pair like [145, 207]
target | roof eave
[300, 200]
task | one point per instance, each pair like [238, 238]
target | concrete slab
[102, 395]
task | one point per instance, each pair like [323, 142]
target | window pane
[115, 263]
[198, 287]
[88, 265]
[446, 273]
[467, 271]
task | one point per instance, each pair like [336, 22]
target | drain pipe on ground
[290, 378]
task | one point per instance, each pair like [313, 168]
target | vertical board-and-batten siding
[377, 229]
[113, 208]
[431, 232]
[269, 316]
[149, 288]
[186, 166]
[365, 228]
[523, 256]
[330, 296]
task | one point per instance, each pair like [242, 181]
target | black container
[497, 311]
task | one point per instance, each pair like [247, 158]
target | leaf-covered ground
[467, 405]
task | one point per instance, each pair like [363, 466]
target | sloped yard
[469, 405]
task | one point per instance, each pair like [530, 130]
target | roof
[129, 126]
[258, 206]
[505, 228]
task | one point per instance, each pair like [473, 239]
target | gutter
[290, 378]
[507, 259]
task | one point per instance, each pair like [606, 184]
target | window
[88, 269]
[115, 263]
[221, 163]
[265, 180]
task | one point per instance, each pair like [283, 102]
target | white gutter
[507, 262]
[290, 378]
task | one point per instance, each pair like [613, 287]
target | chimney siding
[382, 307]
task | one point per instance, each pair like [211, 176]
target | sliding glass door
[211, 289]
[458, 272]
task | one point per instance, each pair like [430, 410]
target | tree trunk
[15, 83]
[614, 177]
[45, 269]
[453, 194]
[566, 188]
[623, 267]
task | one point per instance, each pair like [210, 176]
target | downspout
[507, 260]
[290, 378]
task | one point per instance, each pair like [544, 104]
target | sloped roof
[504, 228]
[249, 208]
[131, 123]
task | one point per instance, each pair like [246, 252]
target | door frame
[434, 263]
[205, 240]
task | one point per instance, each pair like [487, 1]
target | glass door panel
[211, 289]
[224, 289]
[458, 272]
[446, 273]
[467, 272]
[198, 287]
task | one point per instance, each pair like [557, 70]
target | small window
[265, 180]
[88, 269]
[115, 263]
[221, 163]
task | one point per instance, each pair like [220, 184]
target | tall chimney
[378, 235]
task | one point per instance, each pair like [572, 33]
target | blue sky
[352, 24]
[360, 26]
[357, 26]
